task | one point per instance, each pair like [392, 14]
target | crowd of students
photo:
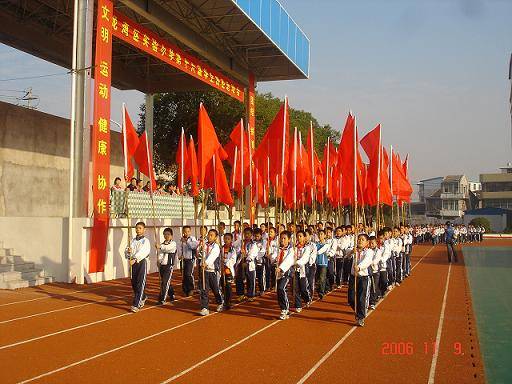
[437, 233]
[299, 261]
[137, 185]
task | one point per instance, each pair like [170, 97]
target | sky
[433, 73]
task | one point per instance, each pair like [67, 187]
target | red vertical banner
[101, 136]
[252, 129]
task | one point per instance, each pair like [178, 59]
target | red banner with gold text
[148, 41]
[101, 136]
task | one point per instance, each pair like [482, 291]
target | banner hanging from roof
[148, 41]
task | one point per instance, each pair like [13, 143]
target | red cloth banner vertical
[101, 136]
[252, 130]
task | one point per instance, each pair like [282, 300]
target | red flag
[191, 168]
[239, 141]
[328, 163]
[129, 141]
[216, 180]
[401, 185]
[144, 159]
[290, 190]
[274, 144]
[208, 144]
[350, 162]
[181, 160]
[378, 190]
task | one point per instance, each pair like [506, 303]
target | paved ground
[422, 332]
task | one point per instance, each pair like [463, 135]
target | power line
[36, 77]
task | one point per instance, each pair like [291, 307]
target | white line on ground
[71, 307]
[79, 327]
[432, 373]
[121, 346]
[227, 348]
[345, 337]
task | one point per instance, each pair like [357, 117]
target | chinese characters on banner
[101, 136]
[142, 38]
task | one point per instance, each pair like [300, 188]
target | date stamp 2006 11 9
[405, 348]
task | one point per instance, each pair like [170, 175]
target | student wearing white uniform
[336, 252]
[397, 255]
[137, 254]
[362, 260]
[229, 255]
[211, 264]
[303, 254]
[347, 253]
[246, 267]
[166, 260]
[272, 246]
[285, 259]
[311, 265]
[374, 271]
[187, 251]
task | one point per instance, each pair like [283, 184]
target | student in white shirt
[362, 260]
[229, 255]
[166, 260]
[187, 252]
[137, 253]
[211, 264]
[303, 253]
[285, 259]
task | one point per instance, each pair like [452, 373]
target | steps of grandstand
[17, 273]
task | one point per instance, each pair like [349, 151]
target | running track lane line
[432, 373]
[57, 295]
[122, 346]
[241, 341]
[67, 308]
[346, 336]
[81, 326]
[211, 357]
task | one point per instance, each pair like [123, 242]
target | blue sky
[434, 73]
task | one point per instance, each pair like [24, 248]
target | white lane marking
[49, 295]
[228, 348]
[345, 337]
[432, 373]
[121, 346]
[79, 326]
[66, 308]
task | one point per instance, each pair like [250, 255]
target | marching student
[336, 253]
[259, 261]
[187, 251]
[363, 257]
[246, 267]
[397, 256]
[137, 253]
[303, 254]
[385, 254]
[347, 252]
[229, 254]
[389, 244]
[166, 260]
[374, 271]
[321, 262]
[408, 240]
[273, 246]
[331, 264]
[285, 259]
[211, 264]
[311, 265]
[237, 235]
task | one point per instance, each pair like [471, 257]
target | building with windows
[427, 187]
[497, 188]
[451, 198]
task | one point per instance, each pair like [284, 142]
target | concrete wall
[498, 222]
[34, 162]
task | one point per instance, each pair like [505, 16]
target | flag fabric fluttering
[130, 142]
[377, 187]
[237, 150]
[191, 167]
[211, 154]
[144, 159]
[402, 188]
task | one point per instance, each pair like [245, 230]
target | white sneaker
[284, 315]
[220, 307]
[134, 309]
[298, 310]
[204, 312]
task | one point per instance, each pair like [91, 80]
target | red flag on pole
[181, 160]
[191, 167]
[350, 162]
[130, 142]
[144, 159]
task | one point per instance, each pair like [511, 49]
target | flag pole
[355, 216]
[391, 185]
[242, 155]
[203, 213]
[379, 159]
[182, 185]
[235, 160]
[125, 147]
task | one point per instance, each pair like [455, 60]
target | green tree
[481, 222]
[175, 110]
